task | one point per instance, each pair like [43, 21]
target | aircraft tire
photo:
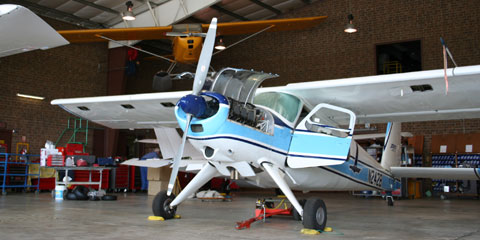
[295, 214]
[160, 205]
[109, 198]
[71, 196]
[81, 192]
[315, 214]
[390, 201]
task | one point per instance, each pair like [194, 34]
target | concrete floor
[30, 216]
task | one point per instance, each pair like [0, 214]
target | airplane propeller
[199, 80]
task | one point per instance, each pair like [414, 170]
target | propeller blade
[205, 57]
[178, 157]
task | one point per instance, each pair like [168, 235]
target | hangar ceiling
[107, 13]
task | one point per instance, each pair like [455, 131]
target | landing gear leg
[389, 199]
[165, 206]
[273, 172]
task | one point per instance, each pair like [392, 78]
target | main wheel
[390, 201]
[315, 214]
[295, 214]
[161, 205]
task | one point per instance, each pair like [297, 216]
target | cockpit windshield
[288, 106]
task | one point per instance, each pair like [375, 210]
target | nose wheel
[161, 205]
[315, 214]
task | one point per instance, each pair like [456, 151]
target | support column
[116, 82]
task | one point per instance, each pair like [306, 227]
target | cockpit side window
[329, 121]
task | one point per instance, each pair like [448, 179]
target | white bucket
[59, 192]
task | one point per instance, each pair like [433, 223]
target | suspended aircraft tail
[392, 149]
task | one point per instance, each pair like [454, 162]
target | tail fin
[392, 149]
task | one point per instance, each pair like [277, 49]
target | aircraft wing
[437, 173]
[24, 31]
[288, 24]
[149, 33]
[401, 97]
[149, 110]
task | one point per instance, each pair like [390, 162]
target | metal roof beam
[232, 14]
[99, 7]
[266, 6]
[56, 14]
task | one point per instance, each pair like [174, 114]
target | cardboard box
[159, 174]
[155, 187]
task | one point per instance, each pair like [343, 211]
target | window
[399, 57]
[286, 105]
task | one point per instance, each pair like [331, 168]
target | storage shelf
[14, 170]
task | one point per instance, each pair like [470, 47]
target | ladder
[77, 125]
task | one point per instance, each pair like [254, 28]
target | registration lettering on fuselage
[375, 177]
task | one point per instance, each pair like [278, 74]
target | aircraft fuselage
[226, 138]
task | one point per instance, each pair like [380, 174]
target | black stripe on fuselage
[350, 178]
[370, 166]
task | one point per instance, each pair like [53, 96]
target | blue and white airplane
[293, 137]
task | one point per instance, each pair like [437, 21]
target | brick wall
[76, 70]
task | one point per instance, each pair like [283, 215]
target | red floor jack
[265, 208]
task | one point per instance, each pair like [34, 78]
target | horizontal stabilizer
[191, 165]
[437, 173]
[151, 163]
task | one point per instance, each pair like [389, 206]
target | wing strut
[243, 39]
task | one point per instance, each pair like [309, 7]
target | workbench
[89, 182]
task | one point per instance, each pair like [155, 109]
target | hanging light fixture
[350, 28]
[128, 15]
[220, 44]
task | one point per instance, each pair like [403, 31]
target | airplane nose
[192, 104]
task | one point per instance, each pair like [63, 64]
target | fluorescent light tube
[30, 96]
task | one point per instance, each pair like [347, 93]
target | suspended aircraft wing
[150, 33]
[437, 173]
[24, 31]
[401, 97]
[149, 110]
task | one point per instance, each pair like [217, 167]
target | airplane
[187, 38]
[292, 137]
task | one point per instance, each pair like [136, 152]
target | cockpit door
[322, 138]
